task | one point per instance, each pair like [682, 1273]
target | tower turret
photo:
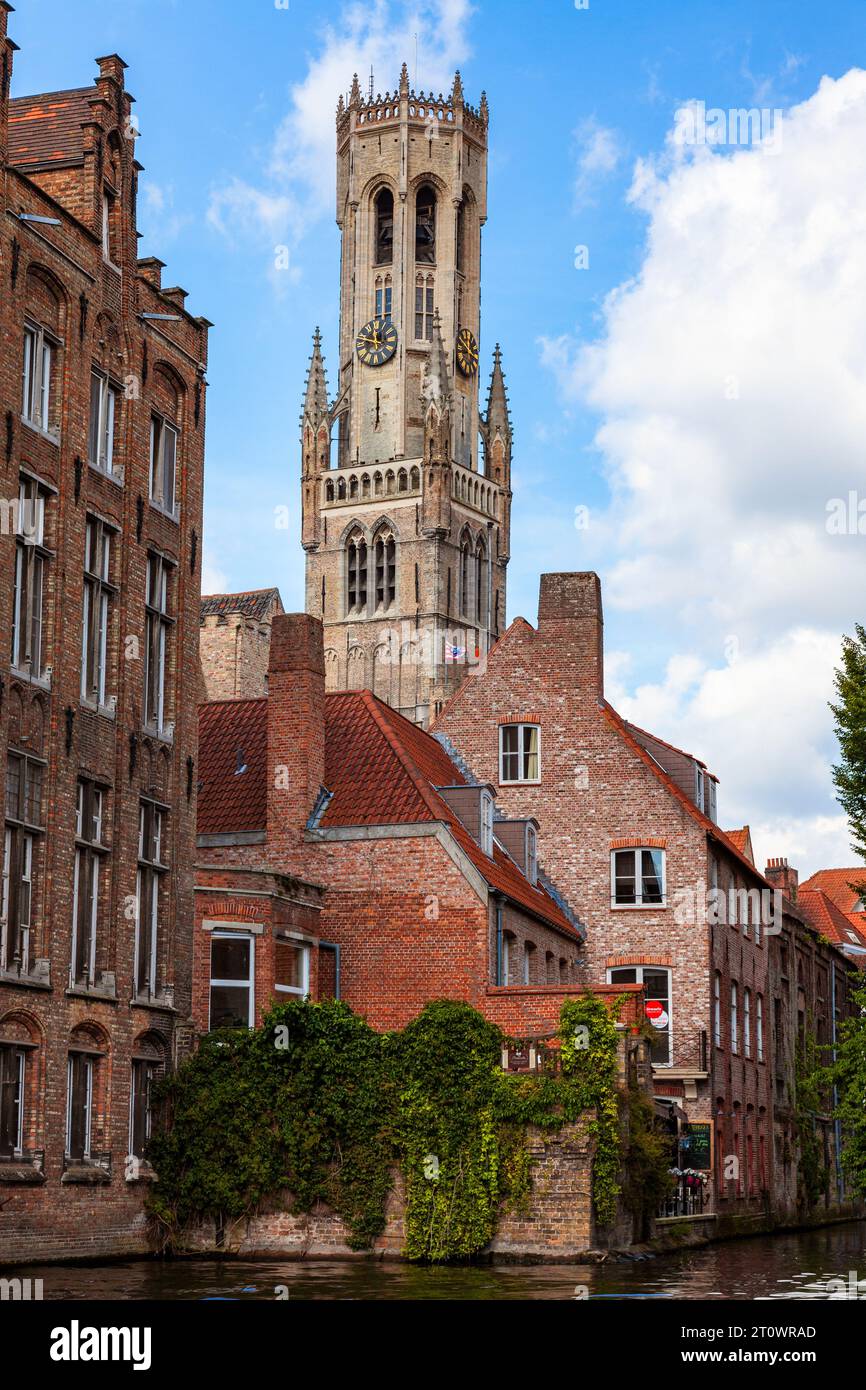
[315, 441]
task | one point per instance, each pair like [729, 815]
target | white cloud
[729, 381]
[296, 187]
[161, 221]
[599, 153]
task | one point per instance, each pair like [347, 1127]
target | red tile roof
[232, 733]
[46, 129]
[379, 768]
[252, 603]
[743, 841]
[828, 919]
[836, 883]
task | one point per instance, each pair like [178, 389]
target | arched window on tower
[386, 569]
[425, 225]
[467, 575]
[461, 233]
[384, 205]
[480, 585]
[356, 573]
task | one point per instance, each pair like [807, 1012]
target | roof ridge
[675, 748]
[453, 700]
[234, 700]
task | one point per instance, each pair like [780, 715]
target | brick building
[628, 830]
[344, 850]
[102, 399]
[234, 641]
[406, 519]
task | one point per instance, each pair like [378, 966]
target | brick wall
[58, 277]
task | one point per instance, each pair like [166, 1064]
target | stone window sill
[105, 992]
[38, 978]
[172, 514]
[138, 1170]
[162, 1002]
[22, 1172]
[50, 435]
[84, 1174]
[43, 681]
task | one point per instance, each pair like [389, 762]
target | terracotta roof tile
[46, 129]
[836, 883]
[232, 732]
[823, 914]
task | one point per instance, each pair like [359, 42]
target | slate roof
[252, 603]
[46, 129]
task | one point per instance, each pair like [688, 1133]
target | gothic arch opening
[384, 217]
[425, 225]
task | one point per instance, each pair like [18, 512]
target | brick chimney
[7, 48]
[570, 619]
[296, 733]
[782, 876]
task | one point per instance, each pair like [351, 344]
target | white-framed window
[735, 1017]
[106, 224]
[656, 980]
[151, 871]
[291, 967]
[711, 807]
[747, 1022]
[98, 593]
[486, 823]
[37, 402]
[103, 413]
[532, 854]
[717, 1009]
[163, 463]
[143, 1074]
[519, 753]
[505, 959]
[232, 980]
[79, 1105]
[528, 957]
[158, 624]
[23, 816]
[637, 877]
[28, 589]
[89, 851]
[12, 1063]
[759, 1027]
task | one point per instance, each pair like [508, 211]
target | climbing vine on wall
[318, 1104]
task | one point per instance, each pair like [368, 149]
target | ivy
[318, 1104]
[811, 1078]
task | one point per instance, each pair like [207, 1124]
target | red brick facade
[603, 788]
[347, 796]
[93, 984]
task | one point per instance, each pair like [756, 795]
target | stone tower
[406, 485]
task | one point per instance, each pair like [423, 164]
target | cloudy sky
[679, 297]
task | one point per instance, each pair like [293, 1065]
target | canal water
[790, 1266]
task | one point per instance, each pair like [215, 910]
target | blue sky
[728, 267]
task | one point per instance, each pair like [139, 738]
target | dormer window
[531, 855]
[486, 823]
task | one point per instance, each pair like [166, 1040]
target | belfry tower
[406, 485]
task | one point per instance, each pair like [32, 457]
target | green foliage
[318, 1104]
[849, 712]
[647, 1179]
[811, 1081]
[849, 1074]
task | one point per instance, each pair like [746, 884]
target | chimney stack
[781, 876]
[7, 48]
[570, 618]
[296, 733]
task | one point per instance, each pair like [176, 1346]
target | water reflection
[794, 1266]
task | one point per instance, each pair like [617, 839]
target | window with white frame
[519, 753]
[759, 1027]
[232, 976]
[12, 1064]
[98, 594]
[637, 877]
[106, 224]
[149, 888]
[163, 463]
[145, 1073]
[735, 1017]
[531, 854]
[103, 412]
[158, 625]
[656, 981]
[291, 967]
[37, 404]
[89, 853]
[747, 1022]
[717, 1009]
[79, 1105]
[29, 574]
[21, 835]
[486, 823]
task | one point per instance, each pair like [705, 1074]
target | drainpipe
[837, 1123]
[334, 946]
[499, 941]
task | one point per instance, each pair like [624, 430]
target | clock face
[377, 342]
[467, 352]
